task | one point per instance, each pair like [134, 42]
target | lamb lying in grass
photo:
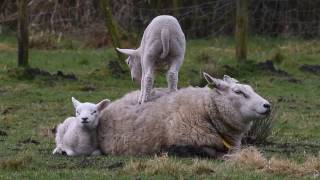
[206, 121]
[163, 42]
[78, 135]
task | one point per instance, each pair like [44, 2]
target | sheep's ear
[102, 104]
[75, 102]
[219, 84]
[229, 79]
[129, 52]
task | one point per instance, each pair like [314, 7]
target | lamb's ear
[75, 102]
[129, 52]
[219, 84]
[229, 79]
[102, 104]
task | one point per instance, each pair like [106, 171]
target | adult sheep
[209, 121]
[163, 43]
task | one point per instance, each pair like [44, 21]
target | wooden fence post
[175, 5]
[23, 35]
[113, 31]
[241, 29]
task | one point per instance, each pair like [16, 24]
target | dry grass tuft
[6, 47]
[202, 167]
[251, 158]
[166, 165]
[15, 163]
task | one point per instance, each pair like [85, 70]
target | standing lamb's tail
[165, 42]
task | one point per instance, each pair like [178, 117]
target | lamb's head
[87, 113]
[243, 98]
[134, 63]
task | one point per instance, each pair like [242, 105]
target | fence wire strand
[203, 19]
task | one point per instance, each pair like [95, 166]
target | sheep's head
[250, 105]
[134, 63]
[87, 113]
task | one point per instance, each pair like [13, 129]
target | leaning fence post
[113, 31]
[23, 35]
[241, 29]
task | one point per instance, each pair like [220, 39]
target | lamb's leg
[70, 152]
[61, 129]
[148, 77]
[142, 88]
[172, 75]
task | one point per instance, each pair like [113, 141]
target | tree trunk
[23, 37]
[113, 31]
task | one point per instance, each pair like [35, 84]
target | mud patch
[7, 110]
[290, 148]
[88, 88]
[314, 69]
[115, 165]
[3, 133]
[268, 66]
[31, 73]
[30, 141]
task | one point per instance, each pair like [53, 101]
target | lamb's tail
[165, 38]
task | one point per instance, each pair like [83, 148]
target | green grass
[29, 108]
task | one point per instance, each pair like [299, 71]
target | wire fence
[199, 19]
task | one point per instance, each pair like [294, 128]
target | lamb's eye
[77, 112]
[94, 112]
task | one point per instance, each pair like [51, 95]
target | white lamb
[163, 42]
[78, 135]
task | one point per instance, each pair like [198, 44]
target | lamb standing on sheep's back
[163, 43]
[78, 135]
[209, 121]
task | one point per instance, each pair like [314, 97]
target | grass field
[31, 107]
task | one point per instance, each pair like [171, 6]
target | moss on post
[113, 31]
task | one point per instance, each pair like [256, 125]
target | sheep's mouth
[84, 122]
[266, 113]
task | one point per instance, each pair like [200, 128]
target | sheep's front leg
[172, 75]
[148, 77]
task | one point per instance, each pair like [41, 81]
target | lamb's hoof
[57, 151]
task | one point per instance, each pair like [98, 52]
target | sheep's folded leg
[96, 153]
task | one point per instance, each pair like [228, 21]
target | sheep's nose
[267, 106]
[84, 120]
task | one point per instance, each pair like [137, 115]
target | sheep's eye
[239, 92]
[77, 112]
[94, 112]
